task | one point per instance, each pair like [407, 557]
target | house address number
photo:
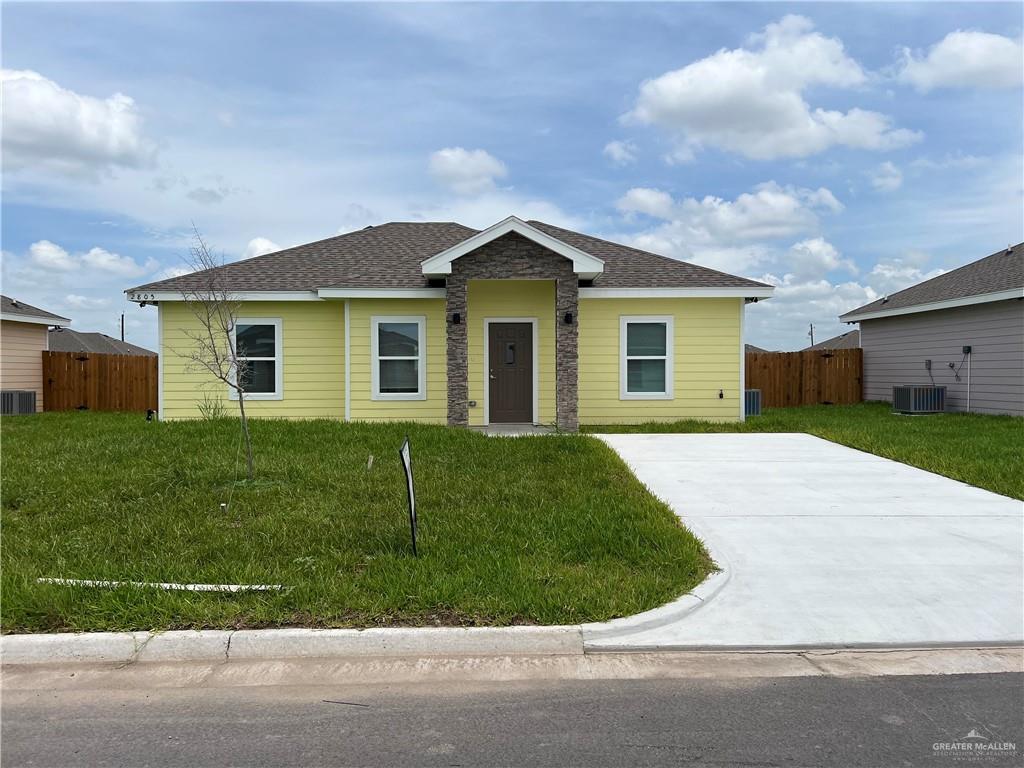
[141, 297]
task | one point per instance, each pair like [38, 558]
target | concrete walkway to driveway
[823, 545]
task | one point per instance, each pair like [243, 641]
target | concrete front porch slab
[822, 545]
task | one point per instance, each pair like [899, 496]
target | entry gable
[587, 267]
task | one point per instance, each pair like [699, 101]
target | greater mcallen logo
[974, 746]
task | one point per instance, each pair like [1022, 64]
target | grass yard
[985, 451]
[529, 530]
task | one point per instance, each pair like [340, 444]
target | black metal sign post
[406, 456]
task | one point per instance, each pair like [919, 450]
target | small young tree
[213, 348]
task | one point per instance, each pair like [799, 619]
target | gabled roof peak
[584, 264]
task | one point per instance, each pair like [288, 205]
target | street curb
[292, 643]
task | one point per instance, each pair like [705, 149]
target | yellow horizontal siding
[706, 348]
[313, 362]
[488, 299]
[435, 407]
[706, 352]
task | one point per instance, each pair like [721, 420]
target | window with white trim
[399, 358]
[645, 357]
[258, 346]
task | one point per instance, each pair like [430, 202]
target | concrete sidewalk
[824, 546]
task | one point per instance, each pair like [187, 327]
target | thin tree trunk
[248, 440]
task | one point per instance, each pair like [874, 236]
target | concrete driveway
[824, 545]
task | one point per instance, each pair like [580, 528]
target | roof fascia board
[966, 301]
[764, 292]
[381, 293]
[16, 318]
[148, 296]
[583, 264]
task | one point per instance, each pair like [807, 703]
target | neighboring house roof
[993, 278]
[848, 340]
[20, 312]
[68, 340]
[751, 349]
[391, 256]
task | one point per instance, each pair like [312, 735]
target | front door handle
[492, 375]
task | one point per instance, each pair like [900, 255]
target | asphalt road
[803, 721]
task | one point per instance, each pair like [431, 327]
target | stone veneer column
[458, 352]
[567, 293]
[513, 257]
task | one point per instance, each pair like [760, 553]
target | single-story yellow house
[23, 339]
[520, 323]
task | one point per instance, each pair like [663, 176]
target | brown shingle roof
[1002, 271]
[69, 340]
[11, 306]
[626, 267]
[390, 256]
[385, 256]
[848, 340]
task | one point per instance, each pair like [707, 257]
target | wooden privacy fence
[84, 380]
[814, 377]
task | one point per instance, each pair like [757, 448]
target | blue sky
[839, 151]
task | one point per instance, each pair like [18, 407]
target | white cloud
[804, 296]
[965, 59]
[51, 256]
[886, 177]
[949, 161]
[52, 128]
[769, 212]
[71, 284]
[620, 152]
[750, 101]
[467, 172]
[85, 302]
[652, 202]
[898, 273]
[259, 246]
[815, 257]
[125, 266]
[783, 321]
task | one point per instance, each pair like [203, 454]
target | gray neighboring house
[980, 306]
[68, 340]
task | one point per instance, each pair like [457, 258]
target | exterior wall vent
[752, 402]
[915, 398]
[17, 402]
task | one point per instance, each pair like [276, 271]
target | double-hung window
[645, 357]
[399, 358]
[258, 348]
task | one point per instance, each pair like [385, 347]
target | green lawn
[528, 530]
[986, 451]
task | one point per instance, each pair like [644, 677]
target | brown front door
[510, 363]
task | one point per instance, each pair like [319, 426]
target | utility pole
[122, 326]
[811, 334]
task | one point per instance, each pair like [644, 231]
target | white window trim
[278, 393]
[668, 357]
[421, 323]
[487, 365]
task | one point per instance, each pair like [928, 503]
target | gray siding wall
[895, 350]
